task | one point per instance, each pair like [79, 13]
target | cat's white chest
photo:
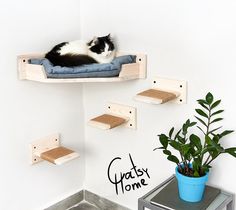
[74, 47]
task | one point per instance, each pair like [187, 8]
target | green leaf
[177, 134]
[173, 159]
[208, 140]
[196, 141]
[215, 104]
[231, 151]
[212, 131]
[203, 104]
[217, 112]
[188, 122]
[209, 98]
[192, 124]
[216, 139]
[185, 149]
[166, 152]
[216, 120]
[202, 113]
[164, 140]
[225, 133]
[202, 101]
[201, 130]
[214, 142]
[181, 139]
[171, 132]
[208, 149]
[176, 145]
[158, 148]
[200, 120]
[185, 128]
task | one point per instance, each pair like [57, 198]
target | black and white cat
[79, 52]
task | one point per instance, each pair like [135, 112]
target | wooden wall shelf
[49, 149]
[115, 116]
[37, 73]
[164, 90]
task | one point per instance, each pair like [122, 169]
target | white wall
[190, 40]
[30, 110]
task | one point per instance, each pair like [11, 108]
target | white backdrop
[189, 40]
[30, 110]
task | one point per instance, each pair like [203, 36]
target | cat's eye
[102, 50]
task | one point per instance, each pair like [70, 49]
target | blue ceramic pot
[191, 189]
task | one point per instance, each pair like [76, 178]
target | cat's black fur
[70, 59]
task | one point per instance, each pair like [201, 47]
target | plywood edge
[108, 121]
[156, 96]
[95, 124]
[66, 158]
[148, 100]
[129, 70]
[59, 155]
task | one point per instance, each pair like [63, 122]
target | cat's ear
[108, 36]
[94, 41]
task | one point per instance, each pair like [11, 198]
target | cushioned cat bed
[123, 67]
[85, 71]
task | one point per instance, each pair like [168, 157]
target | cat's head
[102, 46]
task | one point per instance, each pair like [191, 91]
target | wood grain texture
[109, 121]
[56, 153]
[159, 95]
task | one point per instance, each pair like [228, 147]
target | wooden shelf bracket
[116, 115]
[164, 90]
[49, 149]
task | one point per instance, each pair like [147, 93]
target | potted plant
[196, 153]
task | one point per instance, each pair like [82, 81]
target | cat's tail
[69, 60]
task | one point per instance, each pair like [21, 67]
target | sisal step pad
[155, 96]
[59, 155]
[107, 121]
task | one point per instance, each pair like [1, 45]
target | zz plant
[197, 153]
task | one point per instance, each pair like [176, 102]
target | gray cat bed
[85, 71]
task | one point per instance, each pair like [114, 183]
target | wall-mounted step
[49, 149]
[164, 90]
[107, 121]
[116, 115]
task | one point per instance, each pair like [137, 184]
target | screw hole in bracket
[140, 59]
[109, 107]
[180, 100]
[154, 82]
[24, 60]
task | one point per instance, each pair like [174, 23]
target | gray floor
[84, 206]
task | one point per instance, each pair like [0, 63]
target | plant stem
[207, 133]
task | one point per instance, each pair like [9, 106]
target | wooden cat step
[116, 115]
[59, 155]
[155, 96]
[49, 149]
[164, 90]
[107, 121]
